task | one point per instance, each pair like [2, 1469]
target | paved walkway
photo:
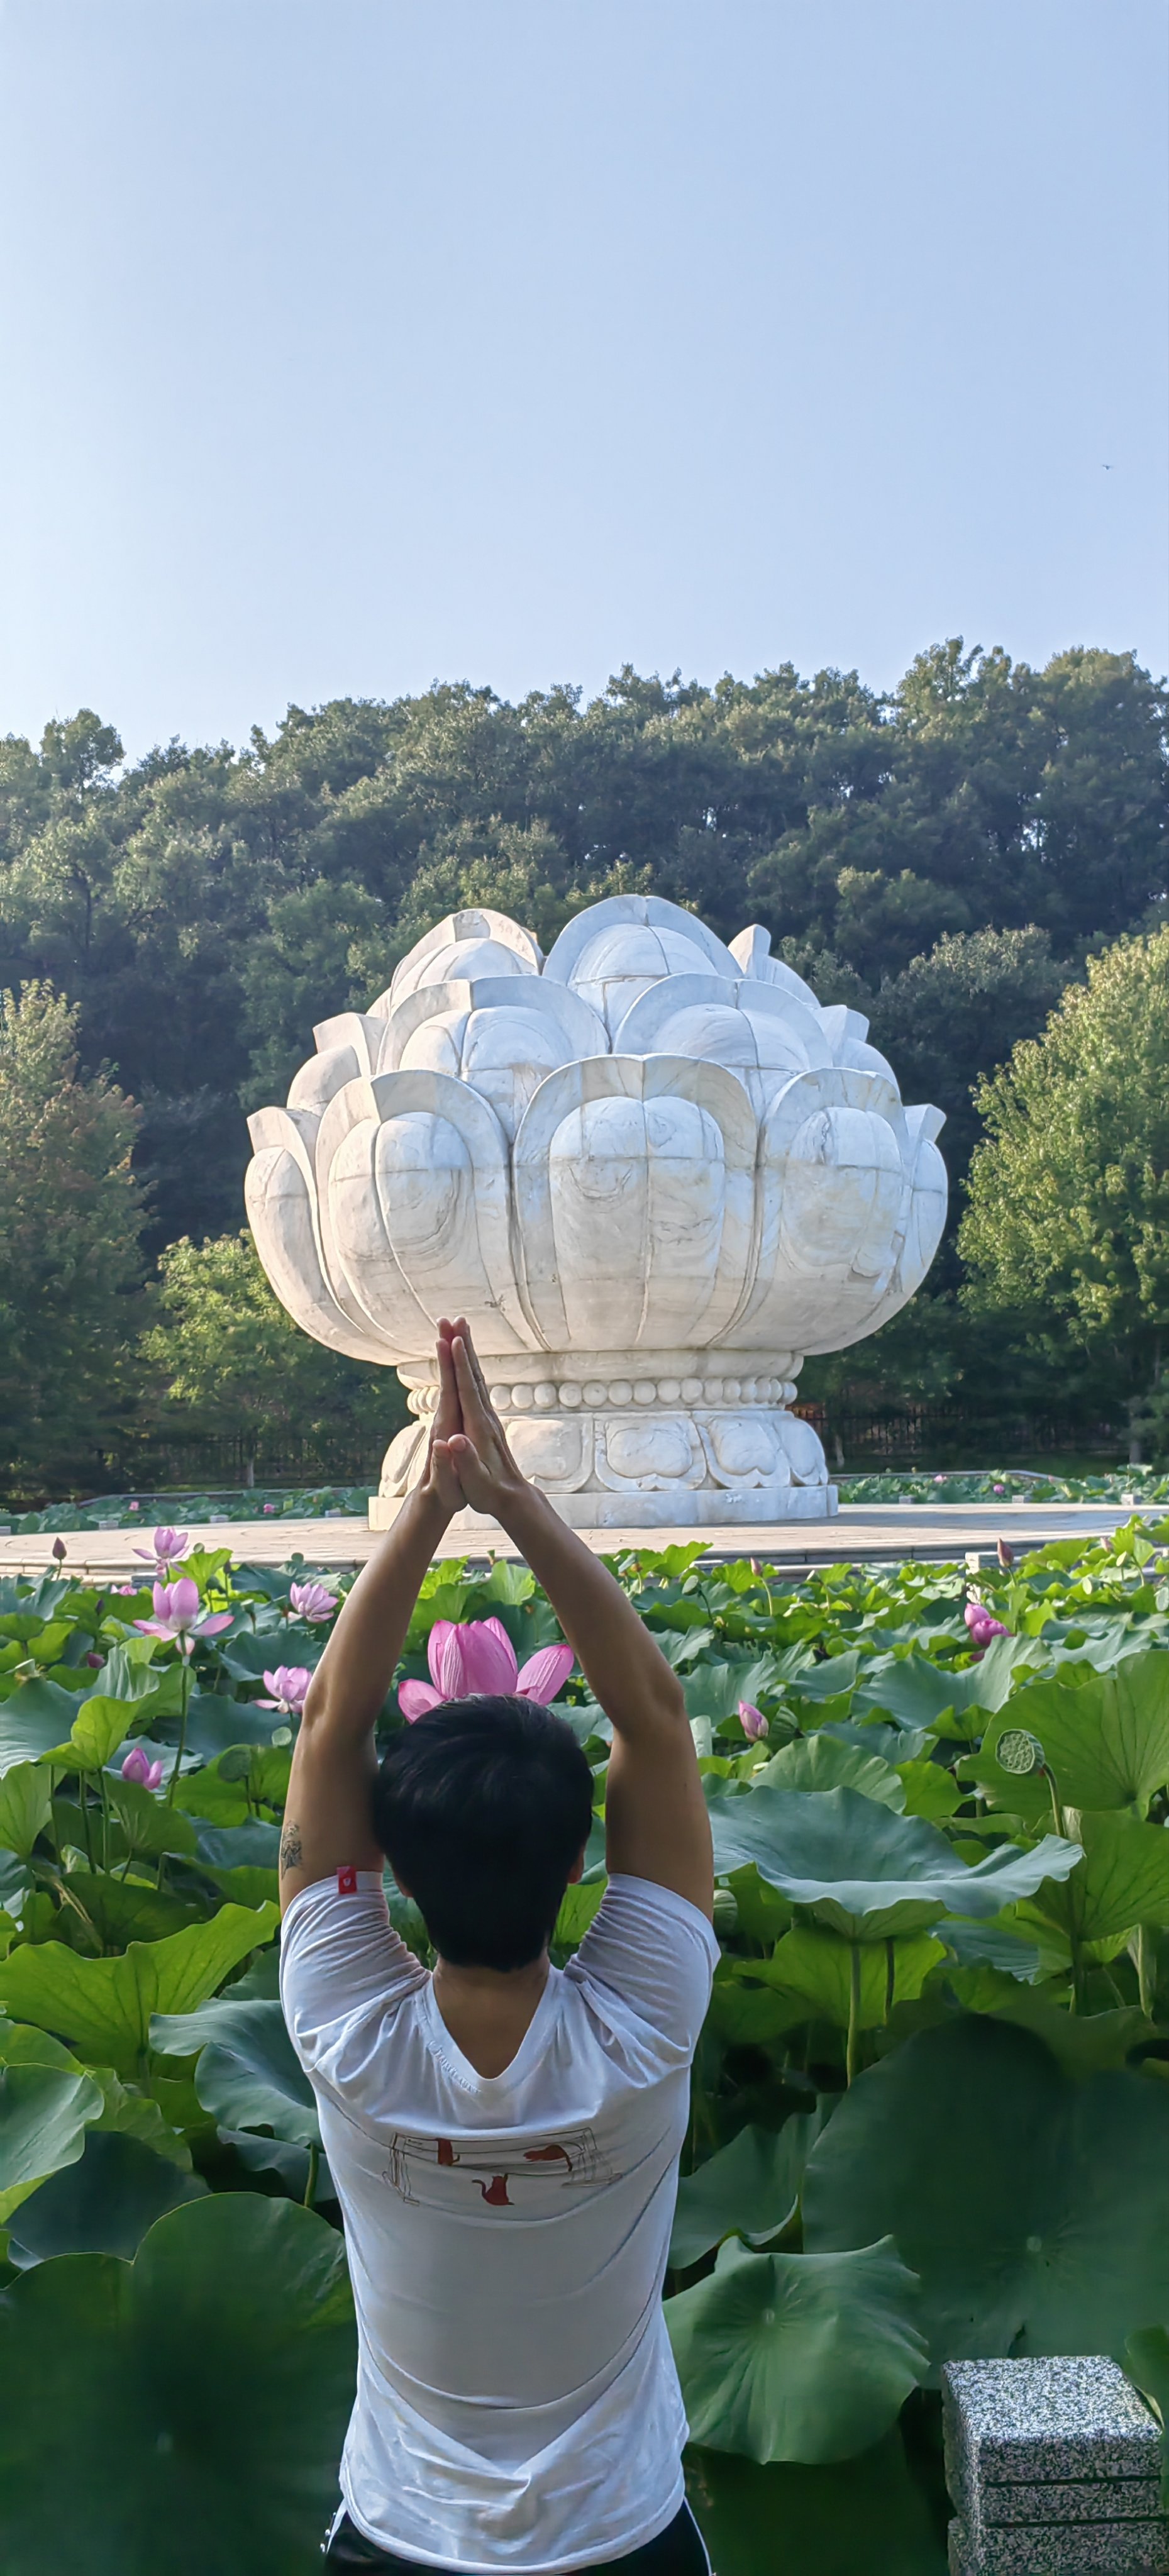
[862, 1531]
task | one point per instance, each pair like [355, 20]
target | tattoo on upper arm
[291, 1850]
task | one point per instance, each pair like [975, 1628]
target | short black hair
[481, 1808]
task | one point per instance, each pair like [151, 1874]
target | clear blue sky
[346, 344]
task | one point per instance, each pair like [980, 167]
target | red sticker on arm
[346, 1882]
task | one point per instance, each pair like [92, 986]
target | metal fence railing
[943, 1435]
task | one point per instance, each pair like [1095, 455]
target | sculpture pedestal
[650, 1511]
[623, 1440]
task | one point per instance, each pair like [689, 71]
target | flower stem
[314, 2160]
[182, 1744]
[852, 2053]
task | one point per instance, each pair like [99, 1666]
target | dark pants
[677, 2551]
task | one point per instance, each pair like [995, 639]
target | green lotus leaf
[103, 2006]
[823, 1762]
[930, 1789]
[193, 2402]
[214, 1723]
[797, 2356]
[1106, 1739]
[103, 2203]
[972, 2147]
[138, 2115]
[992, 1945]
[817, 1966]
[1083, 2043]
[1122, 1880]
[150, 1825]
[867, 2514]
[833, 1679]
[750, 2188]
[248, 2075]
[23, 2045]
[33, 1720]
[578, 1905]
[123, 2108]
[261, 2154]
[254, 1845]
[714, 1690]
[865, 1871]
[122, 1910]
[750, 2016]
[101, 1724]
[918, 1692]
[25, 1807]
[762, 1912]
[43, 2115]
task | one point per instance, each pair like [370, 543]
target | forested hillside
[944, 857]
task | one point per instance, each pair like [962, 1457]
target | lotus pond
[930, 2107]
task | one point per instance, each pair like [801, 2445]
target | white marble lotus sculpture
[653, 1172]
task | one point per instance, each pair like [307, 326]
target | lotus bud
[753, 1722]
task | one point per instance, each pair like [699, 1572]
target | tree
[231, 1362]
[948, 1017]
[1067, 1232]
[69, 1249]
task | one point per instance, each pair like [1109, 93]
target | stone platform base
[703, 1510]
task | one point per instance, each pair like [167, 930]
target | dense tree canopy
[230, 1361]
[945, 857]
[1068, 1223]
[70, 1212]
[204, 907]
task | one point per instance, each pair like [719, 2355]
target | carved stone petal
[474, 941]
[580, 1028]
[441, 1168]
[280, 1197]
[633, 1189]
[758, 1031]
[616, 949]
[833, 1192]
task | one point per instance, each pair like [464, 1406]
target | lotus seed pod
[1018, 1752]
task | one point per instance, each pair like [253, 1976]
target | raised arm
[656, 1824]
[327, 1816]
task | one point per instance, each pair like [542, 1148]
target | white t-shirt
[517, 2403]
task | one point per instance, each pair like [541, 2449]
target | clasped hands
[468, 1460]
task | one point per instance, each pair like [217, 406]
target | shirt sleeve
[656, 1953]
[341, 1964]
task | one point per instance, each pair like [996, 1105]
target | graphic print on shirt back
[504, 2176]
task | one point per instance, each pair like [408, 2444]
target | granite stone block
[1054, 2468]
[1032, 2420]
[1082, 2549]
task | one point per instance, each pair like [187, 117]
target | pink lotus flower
[289, 1687]
[170, 1546]
[312, 1600]
[752, 1721]
[981, 1624]
[177, 1616]
[136, 1767]
[266, 1508]
[133, 1507]
[478, 1656]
